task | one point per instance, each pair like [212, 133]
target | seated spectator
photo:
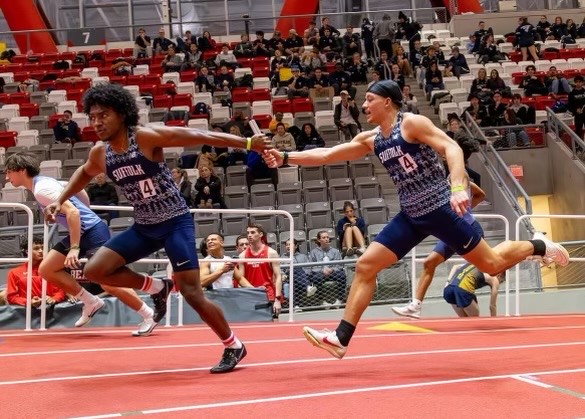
[346, 116]
[312, 59]
[401, 58]
[526, 114]
[311, 34]
[121, 67]
[294, 43]
[309, 138]
[319, 85]
[323, 252]
[16, 280]
[496, 109]
[183, 184]
[351, 43]
[325, 25]
[488, 51]
[224, 80]
[206, 42]
[415, 55]
[477, 111]
[276, 43]
[161, 43]
[457, 64]
[329, 45]
[531, 84]
[298, 84]
[142, 45]
[558, 29]
[397, 76]
[479, 84]
[237, 155]
[244, 48]
[217, 270]
[375, 78]
[496, 84]
[294, 60]
[433, 79]
[339, 79]
[542, 28]
[556, 83]
[208, 189]
[383, 66]
[439, 54]
[103, 193]
[193, 59]
[277, 119]
[410, 103]
[172, 61]
[351, 230]
[205, 82]
[184, 43]
[283, 140]
[571, 31]
[469, 145]
[470, 44]
[66, 130]
[513, 137]
[301, 286]
[226, 57]
[260, 47]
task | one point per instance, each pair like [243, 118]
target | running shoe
[311, 290]
[229, 360]
[410, 310]
[145, 328]
[160, 300]
[88, 311]
[554, 251]
[325, 339]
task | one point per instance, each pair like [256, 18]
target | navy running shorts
[176, 235]
[444, 250]
[403, 233]
[458, 296]
[90, 240]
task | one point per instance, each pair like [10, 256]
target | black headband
[387, 88]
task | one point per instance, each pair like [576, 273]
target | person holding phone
[351, 230]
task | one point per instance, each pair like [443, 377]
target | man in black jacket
[103, 193]
[577, 103]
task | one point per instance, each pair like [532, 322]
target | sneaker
[145, 328]
[337, 303]
[160, 300]
[350, 252]
[229, 360]
[311, 290]
[326, 305]
[554, 251]
[409, 310]
[88, 311]
[325, 339]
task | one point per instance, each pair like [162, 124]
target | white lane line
[328, 393]
[295, 361]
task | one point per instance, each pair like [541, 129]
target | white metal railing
[518, 221]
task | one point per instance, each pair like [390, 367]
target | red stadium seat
[550, 55]
[542, 102]
[134, 80]
[21, 76]
[68, 55]
[188, 75]
[263, 121]
[163, 101]
[96, 63]
[29, 109]
[49, 57]
[18, 98]
[119, 80]
[281, 105]
[8, 139]
[261, 71]
[88, 134]
[166, 89]
[241, 94]
[183, 99]
[260, 94]
[20, 59]
[152, 79]
[31, 66]
[536, 135]
[114, 53]
[82, 84]
[75, 94]
[37, 75]
[302, 105]
[175, 123]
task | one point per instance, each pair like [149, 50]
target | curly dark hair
[112, 96]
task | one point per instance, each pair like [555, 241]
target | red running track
[528, 366]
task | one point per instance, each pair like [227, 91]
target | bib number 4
[147, 188]
[407, 163]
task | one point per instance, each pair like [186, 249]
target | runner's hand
[277, 307]
[460, 202]
[261, 142]
[72, 259]
[51, 211]
[272, 158]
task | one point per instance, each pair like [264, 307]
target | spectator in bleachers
[16, 280]
[224, 80]
[325, 25]
[558, 29]
[311, 59]
[477, 111]
[244, 48]
[410, 102]
[183, 184]
[236, 126]
[496, 109]
[277, 119]
[531, 84]
[205, 82]
[571, 29]
[298, 84]
[309, 138]
[276, 43]
[457, 63]
[346, 116]
[103, 193]
[479, 84]
[302, 287]
[283, 140]
[142, 45]
[218, 270]
[278, 64]
[311, 34]
[184, 43]
[121, 67]
[496, 84]
[66, 130]
[262, 274]
[260, 45]
[293, 43]
[357, 69]
[401, 58]
[478, 36]
[525, 35]
[515, 136]
[542, 28]
[294, 60]
[433, 79]
[226, 57]
[488, 51]
[206, 42]
[208, 189]
[351, 231]
[330, 45]
[319, 85]
[429, 57]
[556, 83]
[581, 29]
[172, 61]
[469, 145]
[384, 34]
[161, 43]
[439, 54]
[525, 113]
[351, 42]
[576, 104]
[241, 243]
[340, 80]
[397, 75]
[408, 30]
[375, 78]
[383, 66]
[416, 55]
[367, 34]
[193, 59]
[323, 252]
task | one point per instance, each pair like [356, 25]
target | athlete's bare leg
[472, 310]
[429, 266]
[107, 267]
[52, 270]
[460, 312]
[497, 259]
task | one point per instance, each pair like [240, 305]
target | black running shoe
[229, 360]
[160, 300]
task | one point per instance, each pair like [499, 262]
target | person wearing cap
[298, 85]
[410, 148]
[576, 104]
[346, 116]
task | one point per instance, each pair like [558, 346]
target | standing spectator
[16, 280]
[351, 230]
[282, 140]
[408, 30]
[576, 104]
[206, 43]
[161, 44]
[384, 34]
[66, 130]
[142, 45]
[183, 184]
[301, 286]
[457, 63]
[531, 84]
[208, 189]
[478, 36]
[323, 252]
[556, 83]
[542, 28]
[218, 270]
[262, 274]
[309, 138]
[367, 34]
[346, 116]
[103, 193]
[525, 34]
[172, 61]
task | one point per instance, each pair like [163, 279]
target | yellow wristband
[248, 143]
[457, 188]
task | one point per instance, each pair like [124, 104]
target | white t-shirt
[226, 279]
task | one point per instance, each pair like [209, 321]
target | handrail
[555, 122]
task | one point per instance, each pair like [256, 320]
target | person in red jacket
[16, 281]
